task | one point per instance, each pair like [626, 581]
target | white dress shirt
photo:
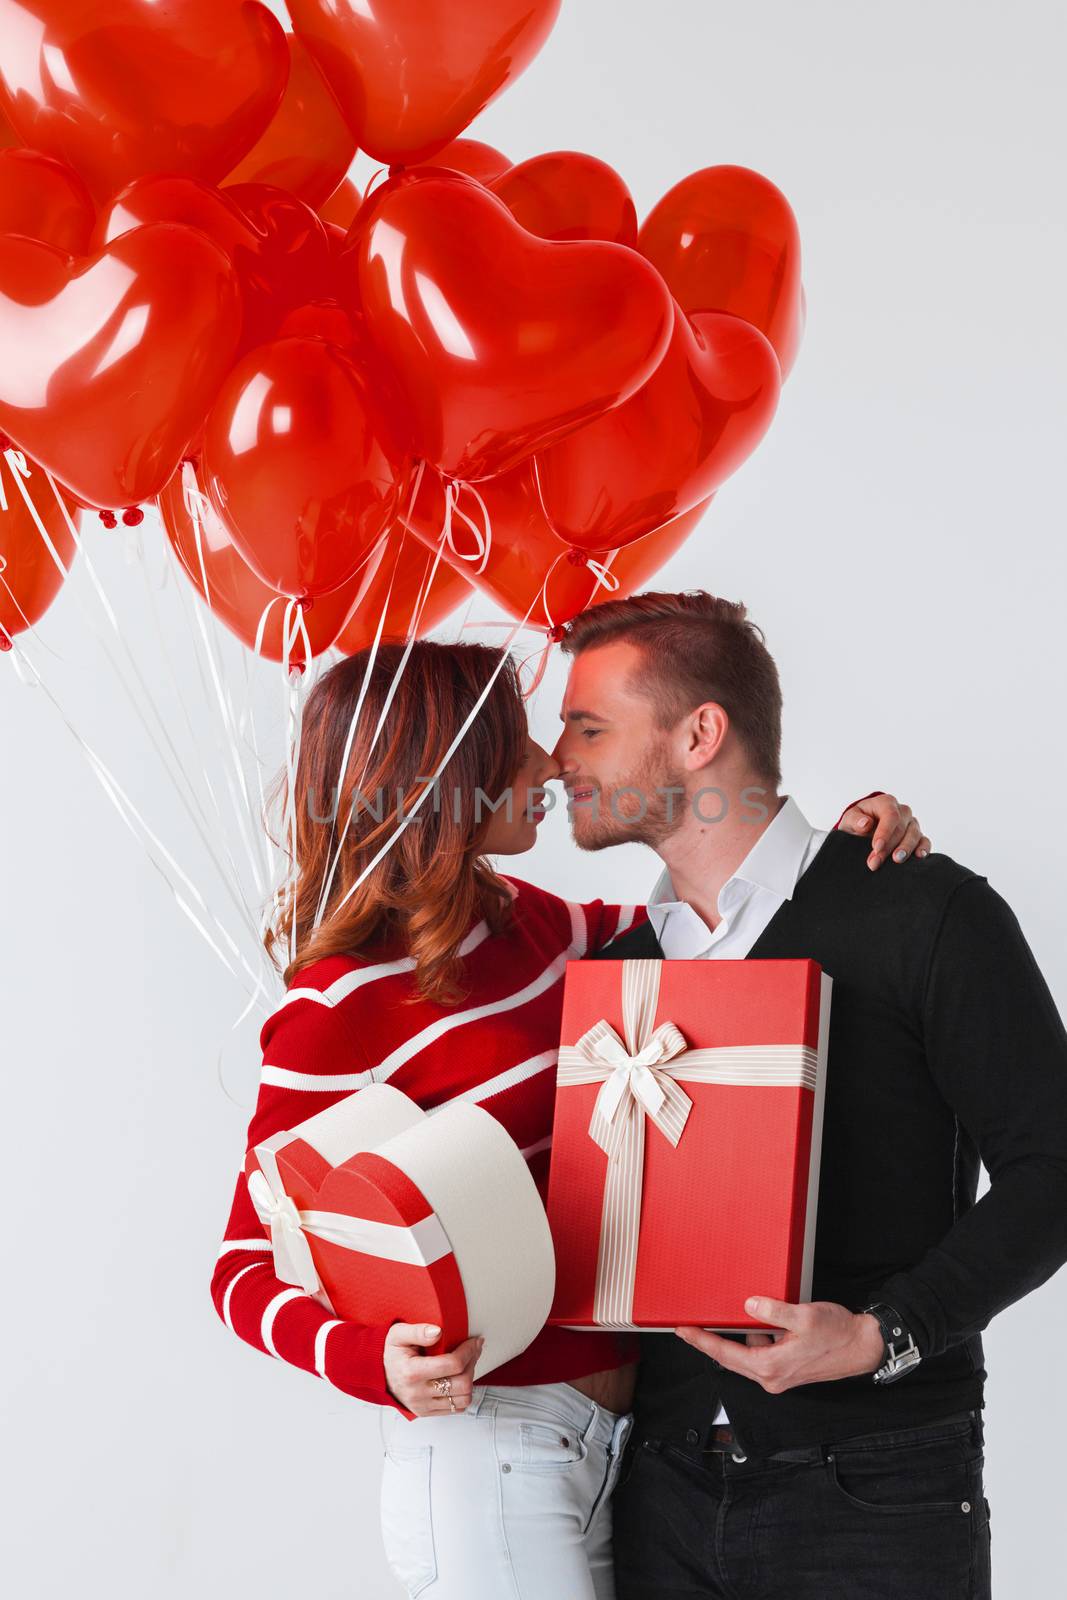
[748, 900]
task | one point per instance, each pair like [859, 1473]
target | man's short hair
[697, 647]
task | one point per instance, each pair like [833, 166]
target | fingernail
[879, 844]
[753, 1307]
[901, 855]
[431, 1332]
[921, 852]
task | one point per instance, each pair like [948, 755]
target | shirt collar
[774, 863]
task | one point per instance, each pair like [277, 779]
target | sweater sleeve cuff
[919, 1309]
[355, 1364]
[873, 794]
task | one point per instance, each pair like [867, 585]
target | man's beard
[638, 809]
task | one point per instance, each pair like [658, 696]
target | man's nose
[560, 755]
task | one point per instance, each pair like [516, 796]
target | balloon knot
[578, 558]
[296, 669]
[109, 519]
[5, 640]
[555, 634]
[306, 603]
[397, 169]
[132, 516]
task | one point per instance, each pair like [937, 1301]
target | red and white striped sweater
[347, 1022]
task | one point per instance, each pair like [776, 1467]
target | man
[843, 1456]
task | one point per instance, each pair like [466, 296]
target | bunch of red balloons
[187, 276]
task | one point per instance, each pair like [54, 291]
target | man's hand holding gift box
[821, 1341]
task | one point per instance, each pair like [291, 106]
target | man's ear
[705, 731]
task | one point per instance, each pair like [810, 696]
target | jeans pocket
[939, 1478]
[547, 1447]
[407, 1519]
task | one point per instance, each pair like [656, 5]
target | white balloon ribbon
[483, 536]
[419, 1245]
[641, 1078]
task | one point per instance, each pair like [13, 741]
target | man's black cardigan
[945, 1048]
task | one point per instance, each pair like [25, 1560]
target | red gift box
[379, 1209]
[685, 1151]
[360, 1235]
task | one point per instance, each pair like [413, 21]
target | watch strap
[901, 1351]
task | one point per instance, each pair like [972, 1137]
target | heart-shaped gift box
[387, 1213]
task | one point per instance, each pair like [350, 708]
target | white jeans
[508, 1500]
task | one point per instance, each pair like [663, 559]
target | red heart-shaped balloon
[45, 200]
[308, 148]
[530, 572]
[377, 194]
[29, 577]
[238, 598]
[277, 244]
[569, 195]
[725, 239]
[112, 361]
[120, 88]
[396, 587]
[477, 160]
[704, 409]
[499, 342]
[322, 319]
[300, 466]
[410, 74]
[297, 263]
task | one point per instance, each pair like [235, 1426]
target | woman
[446, 979]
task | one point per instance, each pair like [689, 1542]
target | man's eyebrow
[581, 716]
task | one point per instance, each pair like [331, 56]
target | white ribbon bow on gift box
[633, 1079]
[421, 1244]
[293, 1262]
[643, 1077]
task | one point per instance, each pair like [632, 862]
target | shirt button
[692, 1436]
[505, 1467]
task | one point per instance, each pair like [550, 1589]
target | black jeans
[889, 1516]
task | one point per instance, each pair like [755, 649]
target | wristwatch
[901, 1351]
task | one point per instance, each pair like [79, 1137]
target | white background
[898, 537]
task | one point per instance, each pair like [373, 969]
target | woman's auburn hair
[432, 885]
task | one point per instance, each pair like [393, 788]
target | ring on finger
[442, 1386]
